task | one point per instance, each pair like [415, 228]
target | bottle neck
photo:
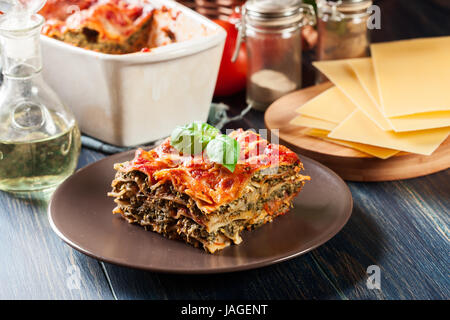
[21, 50]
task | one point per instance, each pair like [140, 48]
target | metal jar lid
[346, 5]
[274, 13]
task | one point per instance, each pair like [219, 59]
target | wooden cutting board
[349, 163]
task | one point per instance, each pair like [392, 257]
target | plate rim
[219, 270]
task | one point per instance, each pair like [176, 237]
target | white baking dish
[136, 98]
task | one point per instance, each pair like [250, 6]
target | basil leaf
[224, 150]
[193, 138]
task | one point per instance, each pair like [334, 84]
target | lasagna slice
[108, 26]
[190, 198]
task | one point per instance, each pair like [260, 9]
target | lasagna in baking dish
[191, 198]
[114, 26]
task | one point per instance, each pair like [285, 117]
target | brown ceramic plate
[80, 213]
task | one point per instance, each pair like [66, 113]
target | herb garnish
[224, 150]
[196, 137]
[193, 138]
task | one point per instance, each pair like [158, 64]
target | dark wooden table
[402, 227]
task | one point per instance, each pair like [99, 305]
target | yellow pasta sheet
[359, 128]
[310, 122]
[413, 76]
[363, 69]
[378, 152]
[343, 76]
[421, 121]
[331, 105]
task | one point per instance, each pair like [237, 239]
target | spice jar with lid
[271, 30]
[342, 28]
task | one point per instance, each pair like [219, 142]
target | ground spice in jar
[342, 40]
[267, 85]
[271, 30]
[342, 28]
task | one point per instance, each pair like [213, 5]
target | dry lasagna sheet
[117, 26]
[202, 203]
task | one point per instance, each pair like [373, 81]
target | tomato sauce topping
[209, 183]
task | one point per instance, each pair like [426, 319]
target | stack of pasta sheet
[397, 100]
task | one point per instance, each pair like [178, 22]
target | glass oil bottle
[39, 137]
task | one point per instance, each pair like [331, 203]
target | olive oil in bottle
[39, 137]
[41, 162]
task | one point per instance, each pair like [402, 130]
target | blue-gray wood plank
[35, 263]
[401, 226]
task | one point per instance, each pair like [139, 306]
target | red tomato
[234, 17]
[232, 75]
